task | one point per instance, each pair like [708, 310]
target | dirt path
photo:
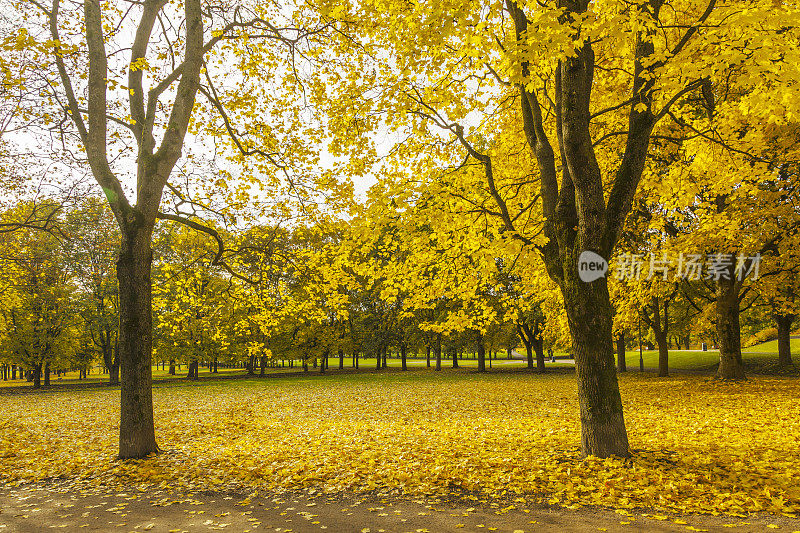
[37, 508]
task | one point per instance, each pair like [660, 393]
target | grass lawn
[699, 445]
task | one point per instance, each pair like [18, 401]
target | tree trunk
[589, 314]
[663, 354]
[728, 332]
[172, 367]
[137, 436]
[47, 374]
[403, 356]
[784, 323]
[481, 353]
[14, 372]
[341, 359]
[428, 355]
[621, 364]
[37, 375]
[385, 350]
[111, 360]
[437, 349]
[263, 368]
[378, 359]
[455, 357]
[538, 348]
[686, 341]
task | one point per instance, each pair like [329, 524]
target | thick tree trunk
[784, 323]
[403, 356]
[663, 355]
[172, 367]
[538, 348]
[686, 342]
[728, 332]
[454, 356]
[263, 368]
[378, 359]
[136, 431]
[621, 364]
[589, 314]
[37, 376]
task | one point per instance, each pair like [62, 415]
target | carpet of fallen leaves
[699, 445]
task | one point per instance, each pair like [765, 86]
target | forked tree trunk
[621, 364]
[784, 323]
[589, 314]
[136, 433]
[728, 332]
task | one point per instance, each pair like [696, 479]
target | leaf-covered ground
[700, 445]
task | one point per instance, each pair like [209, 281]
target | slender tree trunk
[378, 359]
[13, 372]
[136, 430]
[621, 364]
[784, 323]
[263, 366]
[728, 332]
[172, 367]
[428, 355]
[438, 351]
[341, 359]
[403, 356]
[385, 350]
[589, 314]
[454, 356]
[47, 374]
[481, 353]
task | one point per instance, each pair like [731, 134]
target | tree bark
[728, 331]
[538, 348]
[403, 356]
[37, 375]
[621, 364]
[589, 314]
[784, 323]
[481, 353]
[136, 431]
[454, 353]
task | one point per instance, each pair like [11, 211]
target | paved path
[37, 508]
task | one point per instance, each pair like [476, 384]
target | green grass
[696, 360]
[772, 347]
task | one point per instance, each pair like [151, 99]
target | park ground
[438, 451]
[759, 359]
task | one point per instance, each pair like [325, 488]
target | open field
[699, 445]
